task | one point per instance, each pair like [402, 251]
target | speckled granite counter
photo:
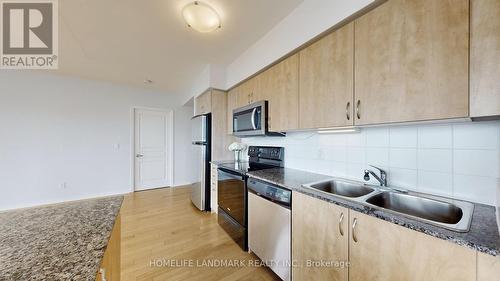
[482, 236]
[56, 242]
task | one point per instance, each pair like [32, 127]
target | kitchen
[354, 141]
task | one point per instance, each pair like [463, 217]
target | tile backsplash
[459, 160]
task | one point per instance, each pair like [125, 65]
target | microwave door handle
[253, 118]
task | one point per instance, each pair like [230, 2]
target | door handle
[347, 110]
[358, 104]
[253, 118]
[354, 236]
[341, 229]
[139, 156]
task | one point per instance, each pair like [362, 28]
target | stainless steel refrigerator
[201, 133]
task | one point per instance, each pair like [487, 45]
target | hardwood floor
[161, 226]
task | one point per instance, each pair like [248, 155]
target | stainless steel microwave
[251, 120]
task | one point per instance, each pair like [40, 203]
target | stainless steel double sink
[443, 212]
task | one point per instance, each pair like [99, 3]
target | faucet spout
[382, 179]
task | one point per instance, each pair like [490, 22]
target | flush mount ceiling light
[201, 17]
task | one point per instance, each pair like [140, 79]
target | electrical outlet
[64, 185]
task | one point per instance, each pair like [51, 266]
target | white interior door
[151, 149]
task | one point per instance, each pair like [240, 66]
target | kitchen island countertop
[64, 241]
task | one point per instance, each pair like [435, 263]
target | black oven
[232, 201]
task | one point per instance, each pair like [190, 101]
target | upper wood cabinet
[485, 58]
[232, 103]
[388, 252]
[203, 103]
[249, 91]
[326, 80]
[216, 102]
[411, 61]
[220, 139]
[319, 233]
[279, 85]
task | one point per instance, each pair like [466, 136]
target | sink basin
[342, 188]
[455, 215]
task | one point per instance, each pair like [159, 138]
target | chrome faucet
[382, 179]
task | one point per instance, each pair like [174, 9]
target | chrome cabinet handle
[354, 236]
[347, 110]
[341, 229]
[357, 109]
[139, 155]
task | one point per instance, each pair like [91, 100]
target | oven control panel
[266, 152]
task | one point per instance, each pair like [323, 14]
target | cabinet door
[485, 58]
[388, 252]
[232, 103]
[203, 103]
[488, 267]
[411, 61]
[279, 86]
[220, 139]
[249, 91]
[213, 188]
[319, 234]
[326, 81]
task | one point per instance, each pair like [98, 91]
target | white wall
[56, 130]
[459, 160]
[309, 19]
[184, 156]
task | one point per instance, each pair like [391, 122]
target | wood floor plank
[162, 224]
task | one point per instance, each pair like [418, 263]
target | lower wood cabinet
[213, 188]
[319, 234]
[488, 267]
[379, 250]
[326, 236]
[110, 269]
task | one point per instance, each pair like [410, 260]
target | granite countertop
[63, 241]
[483, 235]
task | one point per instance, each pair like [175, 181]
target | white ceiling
[127, 41]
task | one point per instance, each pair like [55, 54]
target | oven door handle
[232, 173]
